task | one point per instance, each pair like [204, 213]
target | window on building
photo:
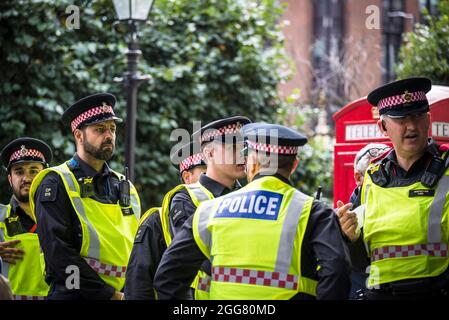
[393, 27]
[430, 5]
[328, 31]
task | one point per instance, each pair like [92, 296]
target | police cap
[401, 98]
[26, 150]
[272, 138]
[224, 130]
[187, 157]
[92, 109]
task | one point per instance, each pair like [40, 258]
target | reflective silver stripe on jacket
[198, 192]
[289, 230]
[203, 222]
[135, 205]
[94, 242]
[3, 213]
[436, 211]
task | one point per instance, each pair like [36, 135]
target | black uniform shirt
[398, 177]
[182, 207]
[323, 243]
[149, 244]
[60, 234]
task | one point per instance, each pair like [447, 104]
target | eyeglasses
[373, 152]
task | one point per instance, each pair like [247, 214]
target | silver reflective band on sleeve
[288, 234]
[94, 241]
[198, 192]
[202, 225]
[366, 192]
[5, 269]
[3, 213]
[135, 206]
[436, 211]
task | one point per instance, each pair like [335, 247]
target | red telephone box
[356, 126]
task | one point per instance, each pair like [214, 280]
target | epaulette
[377, 171]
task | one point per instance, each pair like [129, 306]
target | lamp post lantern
[131, 12]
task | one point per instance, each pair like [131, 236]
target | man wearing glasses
[406, 200]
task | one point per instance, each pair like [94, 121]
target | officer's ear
[382, 127]
[78, 135]
[208, 152]
[295, 165]
[10, 179]
[186, 175]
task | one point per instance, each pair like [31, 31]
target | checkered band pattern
[106, 269]
[431, 249]
[26, 153]
[401, 99]
[255, 277]
[190, 161]
[19, 297]
[229, 129]
[93, 112]
[272, 148]
[204, 283]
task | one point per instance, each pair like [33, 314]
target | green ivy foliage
[426, 51]
[208, 59]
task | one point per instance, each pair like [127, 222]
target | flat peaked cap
[272, 138]
[92, 109]
[402, 97]
[26, 150]
[187, 157]
[225, 130]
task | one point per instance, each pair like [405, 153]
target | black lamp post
[131, 12]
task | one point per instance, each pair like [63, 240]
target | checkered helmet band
[190, 161]
[93, 112]
[398, 100]
[285, 150]
[228, 129]
[27, 153]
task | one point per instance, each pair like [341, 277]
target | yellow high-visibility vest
[253, 238]
[405, 229]
[26, 277]
[197, 193]
[107, 233]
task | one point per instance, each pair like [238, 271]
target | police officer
[150, 242]
[23, 158]
[405, 194]
[266, 240]
[87, 214]
[220, 144]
